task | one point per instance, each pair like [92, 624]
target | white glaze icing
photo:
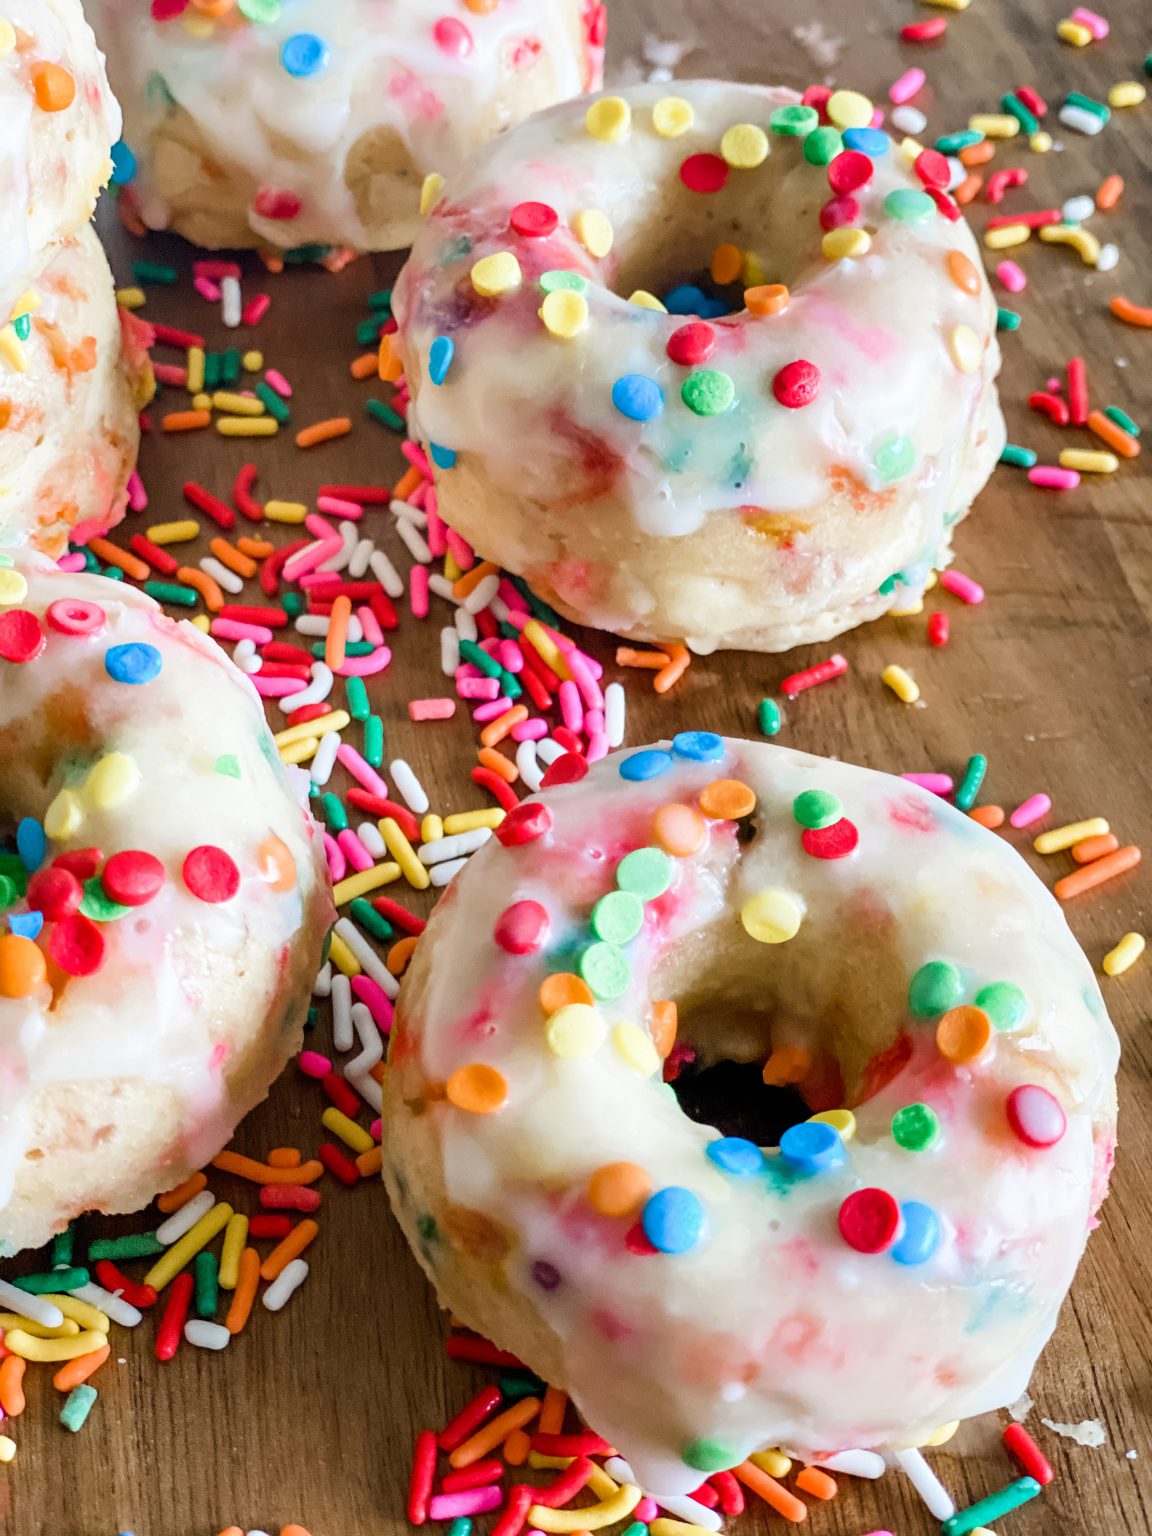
[772, 1330]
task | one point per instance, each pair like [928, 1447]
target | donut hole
[732, 1097]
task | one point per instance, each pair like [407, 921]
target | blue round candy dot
[123, 164]
[673, 1220]
[440, 355]
[736, 1156]
[31, 843]
[648, 764]
[686, 299]
[638, 397]
[869, 141]
[813, 1146]
[134, 662]
[921, 1236]
[443, 458]
[26, 924]
[304, 54]
[698, 746]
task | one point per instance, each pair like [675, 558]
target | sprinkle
[822, 672]
[1031, 810]
[637, 397]
[797, 384]
[961, 586]
[477, 1089]
[905, 687]
[1027, 1454]
[1060, 838]
[496, 274]
[594, 231]
[926, 1483]
[744, 146]
[1132, 314]
[772, 916]
[286, 1284]
[1121, 442]
[1124, 954]
[1098, 872]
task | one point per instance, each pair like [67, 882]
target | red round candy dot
[453, 37]
[797, 384]
[704, 173]
[76, 945]
[945, 204]
[133, 877]
[692, 343]
[56, 892]
[71, 616]
[932, 168]
[838, 212]
[817, 96]
[81, 862]
[522, 928]
[834, 842]
[568, 769]
[637, 1241]
[525, 824]
[850, 170]
[21, 637]
[535, 220]
[210, 874]
[869, 1220]
[1035, 1116]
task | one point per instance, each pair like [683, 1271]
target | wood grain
[310, 1415]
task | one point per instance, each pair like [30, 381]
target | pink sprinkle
[492, 711]
[276, 380]
[233, 629]
[1095, 24]
[597, 746]
[216, 270]
[905, 88]
[255, 309]
[418, 591]
[370, 624]
[1053, 478]
[570, 706]
[376, 1130]
[583, 677]
[363, 772]
[460, 549]
[337, 863]
[424, 497]
[319, 528]
[304, 561]
[312, 1064]
[1054, 386]
[375, 999]
[274, 687]
[511, 656]
[471, 686]
[1012, 276]
[436, 533]
[594, 720]
[354, 850]
[137, 495]
[416, 457]
[170, 373]
[207, 289]
[365, 666]
[530, 730]
[1032, 809]
[340, 508]
[472, 1501]
[961, 586]
[73, 562]
[935, 783]
[432, 709]
[646, 1510]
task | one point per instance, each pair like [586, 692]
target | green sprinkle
[273, 404]
[822, 146]
[312, 1018]
[293, 604]
[301, 254]
[769, 717]
[172, 592]
[230, 365]
[470, 651]
[113, 573]
[646, 872]
[63, 1245]
[357, 698]
[22, 325]
[539, 607]
[953, 143]
[77, 1406]
[793, 122]
[510, 685]
[368, 331]
[708, 392]
[517, 1387]
[1012, 104]
[915, 1127]
[150, 272]
[709, 1455]
[365, 916]
[211, 371]
[227, 765]
[352, 648]
[550, 282]
[69, 1279]
[910, 206]
[894, 458]
[1021, 458]
[381, 300]
[934, 989]
[991, 1508]
[206, 1272]
[1004, 1003]
[385, 415]
[971, 782]
[1007, 319]
[335, 816]
[817, 808]
[606, 970]
[618, 917]
[1122, 419]
[98, 905]
[374, 741]
[8, 895]
[1088, 104]
[143, 1245]
[462, 1526]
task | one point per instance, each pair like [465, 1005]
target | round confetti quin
[797, 384]
[698, 746]
[211, 874]
[21, 635]
[834, 842]
[535, 221]
[1036, 1116]
[133, 878]
[704, 173]
[813, 1146]
[522, 928]
[134, 662]
[736, 1155]
[638, 397]
[692, 343]
[869, 1220]
[673, 1220]
[648, 764]
[524, 824]
[54, 892]
[920, 1237]
[73, 616]
[77, 946]
[477, 1088]
[569, 768]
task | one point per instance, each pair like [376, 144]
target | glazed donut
[317, 121]
[164, 910]
[776, 460]
[58, 119]
[899, 1260]
[69, 426]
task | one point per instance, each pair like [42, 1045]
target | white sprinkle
[349, 538]
[368, 1089]
[370, 962]
[371, 1042]
[32, 1307]
[466, 626]
[855, 1464]
[361, 555]
[908, 119]
[957, 172]
[926, 1483]
[442, 874]
[185, 1218]
[386, 573]
[342, 1036]
[290, 1279]
[1080, 119]
[1108, 257]
[369, 834]
[205, 1335]
[409, 787]
[548, 751]
[458, 846]
[1077, 209]
[111, 1302]
[408, 513]
[615, 708]
[443, 588]
[221, 574]
[529, 765]
[1087, 1432]
[230, 303]
[322, 986]
[415, 541]
[449, 650]
[482, 594]
[245, 657]
[315, 692]
[679, 1506]
[499, 610]
[355, 628]
[324, 758]
[313, 624]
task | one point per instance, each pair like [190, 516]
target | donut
[715, 366]
[316, 121]
[164, 908]
[70, 394]
[848, 946]
[59, 119]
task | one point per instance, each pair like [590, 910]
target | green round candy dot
[261, 12]
[708, 392]
[550, 282]
[909, 206]
[606, 970]
[817, 808]
[1004, 1004]
[646, 872]
[934, 989]
[98, 905]
[794, 122]
[618, 917]
[915, 1127]
[823, 145]
[894, 457]
[709, 1456]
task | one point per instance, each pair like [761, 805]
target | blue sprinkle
[698, 746]
[31, 843]
[133, 663]
[648, 764]
[123, 164]
[869, 141]
[921, 1236]
[26, 924]
[736, 1155]
[673, 1220]
[443, 458]
[304, 54]
[686, 299]
[440, 355]
[638, 397]
[814, 1146]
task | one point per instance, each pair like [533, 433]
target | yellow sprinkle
[7, 37]
[842, 1120]
[966, 348]
[662, 1526]
[13, 349]
[365, 880]
[7, 1448]
[1070, 31]
[252, 362]
[335, 721]
[64, 817]
[948, 5]
[726, 263]
[609, 119]
[351, 1134]
[672, 116]
[849, 109]
[247, 426]
[908, 612]
[471, 821]
[540, 1463]
[646, 300]
[170, 1263]
[111, 781]
[1092, 463]
[285, 511]
[430, 192]
[235, 1236]
[1129, 93]
[201, 402]
[239, 405]
[81, 1312]
[602, 1484]
[431, 828]
[840, 243]
[195, 370]
[1066, 837]
[775, 1463]
[942, 1435]
[752, 271]
[451, 570]
[902, 685]
[592, 1517]
[1126, 953]
[13, 587]
[564, 313]
[995, 125]
[202, 622]
[1006, 235]
[1082, 241]
[342, 957]
[131, 298]
[911, 149]
[48, 1351]
[298, 752]
[1040, 143]
[635, 1048]
[403, 852]
[744, 147]
[198, 26]
[65, 1330]
[542, 641]
[772, 916]
[496, 274]
[594, 231]
[174, 533]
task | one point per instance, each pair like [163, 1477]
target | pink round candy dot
[692, 343]
[1035, 1116]
[452, 37]
[849, 171]
[797, 384]
[704, 173]
[869, 1220]
[522, 928]
[210, 874]
[535, 220]
[72, 616]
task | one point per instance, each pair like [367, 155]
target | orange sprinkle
[1091, 875]
[185, 421]
[247, 1280]
[400, 954]
[963, 1034]
[284, 1157]
[969, 188]
[727, 261]
[272, 262]
[336, 640]
[963, 272]
[323, 431]
[1115, 436]
[229, 555]
[293, 1530]
[411, 480]
[231, 1530]
[498, 764]
[1111, 191]
[53, 87]
[477, 1088]
[490, 1435]
[208, 588]
[130, 219]
[370, 1162]
[654, 661]
[12, 1385]
[1090, 848]
[261, 1173]
[496, 730]
[111, 554]
[388, 364]
[1131, 314]
[977, 154]
[619, 1189]
[679, 830]
[990, 816]
[259, 549]
[727, 800]
[787, 1064]
[816, 1482]
[516, 1448]
[472, 579]
[766, 299]
[680, 661]
[562, 988]
[662, 1025]
[73, 1373]
[364, 366]
[552, 1413]
[481, 7]
[175, 1199]
[773, 1493]
[289, 1248]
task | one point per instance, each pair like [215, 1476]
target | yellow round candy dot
[64, 817]
[564, 313]
[496, 274]
[772, 916]
[849, 109]
[201, 622]
[727, 261]
[253, 362]
[13, 587]
[838, 244]
[198, 26]
[634, 1046]
[430, 191]
[594, 231]
[7, 43]
[744, 147]
[672, 116]
[575, 1031]
[7, 1448]
[965, 347]
[646, 300]
[113, 779]
[842, 1120]
[609, 119]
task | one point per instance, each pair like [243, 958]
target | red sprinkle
[339, 1166]
[21, 636]
[1077, 391]
[219, 511]
[869, 1220]
[730, 1491]
[289, 1197]
[822, 672]
[523, 928]
[839, 211]
[211, 874]
[478, 1475]
[1024, 1450]
[574, 1477]
[515, 1513]
[584, 1444]
[924, 31]
[1049, 405]
[524, 825]
[77, 946]
[423, 1471]
[932, 168]
[453, 37]
[536, 221]
[470, 1418]
[399, 915]
[938, 629]
[274, 1227]
[468, 1346]
[834, 842]
[113, 1279]
[797, 384]
[503, 793]
[337, 1089]
[81, 862]
[133, 877]
[171, 1328]
[692, 343]
[704, 173]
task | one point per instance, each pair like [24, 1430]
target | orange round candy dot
[277, 866]
[963, 273]
[22, 967]
[53, 87]
[727, 800]
[662, 1027]
[963, 1034]
[562, 990]
[679, 829]
[766, 299]
[618, 1189]
[787, 1064]
[477, 1088]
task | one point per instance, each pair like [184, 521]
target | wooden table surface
[310, 1415]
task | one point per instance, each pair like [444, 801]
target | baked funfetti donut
[899, 1260]
[74, 374]
[781, 456]
[297, 122]
[164, 910]
[58, 121]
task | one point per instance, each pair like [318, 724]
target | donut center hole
[732, 1097]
